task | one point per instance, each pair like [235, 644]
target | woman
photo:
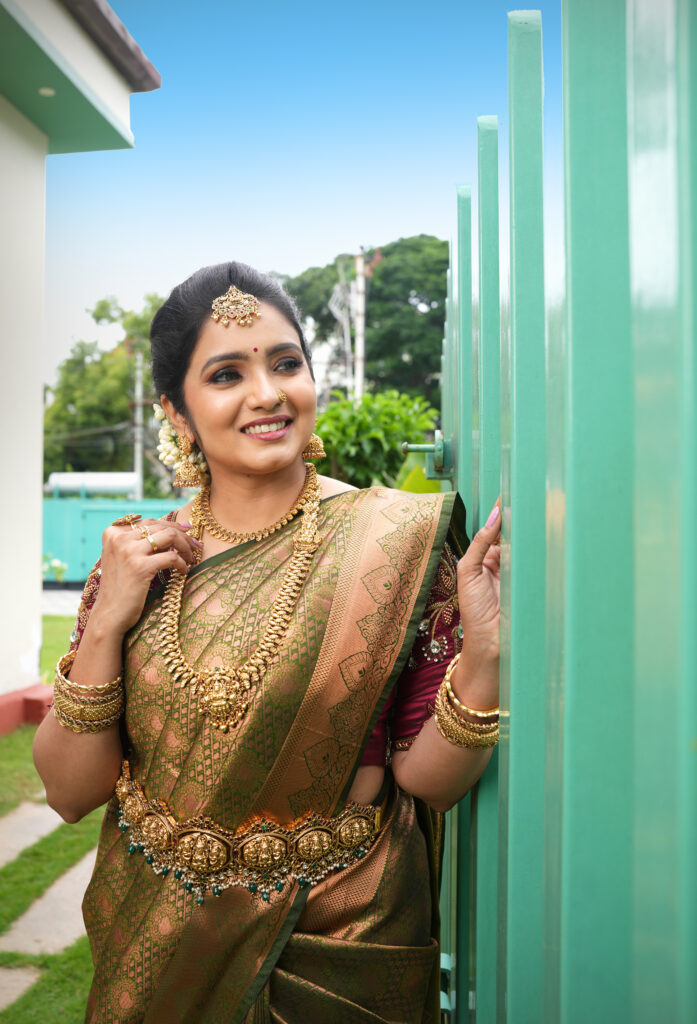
[267, 658]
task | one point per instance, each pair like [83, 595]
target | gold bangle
[493, 713]
[77, 725]
[66, 663]
[458, 718]
[457, 730]
[87, 713]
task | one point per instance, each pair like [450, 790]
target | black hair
[177, 324]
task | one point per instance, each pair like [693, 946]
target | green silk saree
[362, 944]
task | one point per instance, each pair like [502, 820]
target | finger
[170, 559]
[166, 536]
[471, 564]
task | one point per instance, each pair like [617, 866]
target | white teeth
[266, 428]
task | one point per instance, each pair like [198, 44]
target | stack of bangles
[454, 727]
[85, 708]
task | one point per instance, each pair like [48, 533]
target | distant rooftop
[100, 23]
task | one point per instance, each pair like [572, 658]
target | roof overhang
[73, 116]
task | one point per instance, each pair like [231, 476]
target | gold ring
[282, 396]
[127, 520]
[152, 543]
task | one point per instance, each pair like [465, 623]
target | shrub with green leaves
[363, 440]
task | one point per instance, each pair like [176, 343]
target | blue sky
[282, 140]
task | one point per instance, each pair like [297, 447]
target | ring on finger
[128, 520]
[151, 542]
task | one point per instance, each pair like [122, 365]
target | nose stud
[282, 396]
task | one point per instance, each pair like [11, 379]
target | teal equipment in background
[573, 861]
[73, 527]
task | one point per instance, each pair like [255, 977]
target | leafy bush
[363, 440]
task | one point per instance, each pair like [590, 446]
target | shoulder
[330, 487]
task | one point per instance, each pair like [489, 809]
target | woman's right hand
[128, 563]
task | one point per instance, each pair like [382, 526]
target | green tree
[405, 311]
[88, 420]
[364, 439]
[405, 316]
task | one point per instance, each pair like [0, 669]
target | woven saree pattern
[158, 954]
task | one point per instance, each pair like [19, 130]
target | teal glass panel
[596, 912]
[523, 779]
[686, 71]
[660, 260]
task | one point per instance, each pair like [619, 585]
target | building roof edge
[112, 37]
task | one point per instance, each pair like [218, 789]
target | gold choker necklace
[201, 512]
[224, 692]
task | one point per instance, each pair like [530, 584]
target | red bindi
[256, 349]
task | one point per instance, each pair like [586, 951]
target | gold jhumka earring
[315, 448]
[187, 472]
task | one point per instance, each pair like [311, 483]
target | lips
[267, 427]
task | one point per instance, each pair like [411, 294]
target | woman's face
[231, 394]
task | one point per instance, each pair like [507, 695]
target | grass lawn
[19, 779]
[59, 994]
[61, 991]
[55, 642]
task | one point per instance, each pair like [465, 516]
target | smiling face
[231, 394]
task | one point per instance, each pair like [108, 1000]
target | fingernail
[197, 542]
[187, 526]
[493, 516]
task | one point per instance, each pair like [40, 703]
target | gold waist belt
[261, 855]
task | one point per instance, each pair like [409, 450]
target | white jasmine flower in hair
[168, 448]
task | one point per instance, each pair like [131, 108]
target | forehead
[271, 328]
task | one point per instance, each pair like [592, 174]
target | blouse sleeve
[438, 640]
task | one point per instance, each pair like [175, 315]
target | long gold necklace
[224, 692]
[201, 512]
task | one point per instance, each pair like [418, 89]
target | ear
[175, 418]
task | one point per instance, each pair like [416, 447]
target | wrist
[477, 686]
[104, 628]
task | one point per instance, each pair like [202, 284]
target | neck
[243, 503]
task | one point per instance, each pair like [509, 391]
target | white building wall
[22, 215]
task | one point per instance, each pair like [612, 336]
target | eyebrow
[225, 357]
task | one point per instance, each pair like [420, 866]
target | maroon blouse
[438, 640]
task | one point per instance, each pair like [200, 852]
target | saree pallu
[361, 945]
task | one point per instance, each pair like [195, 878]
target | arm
[433, 768]
[79, 770]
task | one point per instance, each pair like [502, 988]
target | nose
[263, 392]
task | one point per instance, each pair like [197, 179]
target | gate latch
[439, 462]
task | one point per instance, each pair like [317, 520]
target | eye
[225, 375]
[288, 364]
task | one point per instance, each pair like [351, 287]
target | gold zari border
[261, 855]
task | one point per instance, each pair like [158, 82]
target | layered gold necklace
[224, 691]
[201, 513]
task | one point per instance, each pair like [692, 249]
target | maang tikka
[235, 305]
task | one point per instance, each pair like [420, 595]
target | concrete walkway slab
[60, 602]
[54, 921]
[23, 826]
[14, 982]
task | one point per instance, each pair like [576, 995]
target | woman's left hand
[478, 590]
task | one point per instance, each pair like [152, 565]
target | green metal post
[596, 913]
[522, 785]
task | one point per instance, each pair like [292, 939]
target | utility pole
[138, 427]
[359, 316]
